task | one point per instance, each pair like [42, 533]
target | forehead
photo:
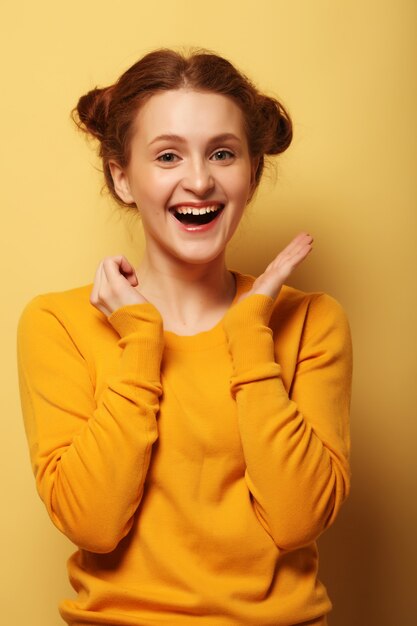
[189, 113]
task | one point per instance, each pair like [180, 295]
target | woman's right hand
[114, 285]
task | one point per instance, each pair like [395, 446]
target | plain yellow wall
[346, 70]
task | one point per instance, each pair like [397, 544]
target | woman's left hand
[270, 282]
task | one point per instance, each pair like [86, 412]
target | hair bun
[279, 123]
[91, 112]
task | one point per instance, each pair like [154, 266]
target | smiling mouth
[193, 216]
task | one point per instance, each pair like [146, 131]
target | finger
[126, 268]
[115, 267]
[300, 254]
[299, 241]
[129, 273]
[98, 279]
[302, 242]
[289, 263]
[111, 265]
[301, 245]
[133, 279]
[96, 298]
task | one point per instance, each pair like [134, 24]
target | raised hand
[114, 285]
[270, 282]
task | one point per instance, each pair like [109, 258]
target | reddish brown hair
[108, 114]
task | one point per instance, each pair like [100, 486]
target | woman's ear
[121, 183]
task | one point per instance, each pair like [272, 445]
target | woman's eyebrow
[225, 137]
[177, 138]
[167, 137]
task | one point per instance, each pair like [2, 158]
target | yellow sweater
[194, 473]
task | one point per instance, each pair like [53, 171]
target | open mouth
[193, 216]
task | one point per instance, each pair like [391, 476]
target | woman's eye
[222, 155]
[167, 157]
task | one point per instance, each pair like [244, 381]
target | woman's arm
[295, 442]
[90, 458]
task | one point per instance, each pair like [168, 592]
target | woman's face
[190, 173]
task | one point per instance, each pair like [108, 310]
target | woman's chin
[200, 257]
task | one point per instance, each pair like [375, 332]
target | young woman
[188, 425]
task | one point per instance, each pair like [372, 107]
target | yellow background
[346, 71]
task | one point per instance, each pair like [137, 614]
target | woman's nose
[198, 177]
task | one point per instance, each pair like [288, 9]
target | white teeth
[184, 210]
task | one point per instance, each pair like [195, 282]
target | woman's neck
[191, 298]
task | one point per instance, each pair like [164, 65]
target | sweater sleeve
[295, 442]
[90, 458]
